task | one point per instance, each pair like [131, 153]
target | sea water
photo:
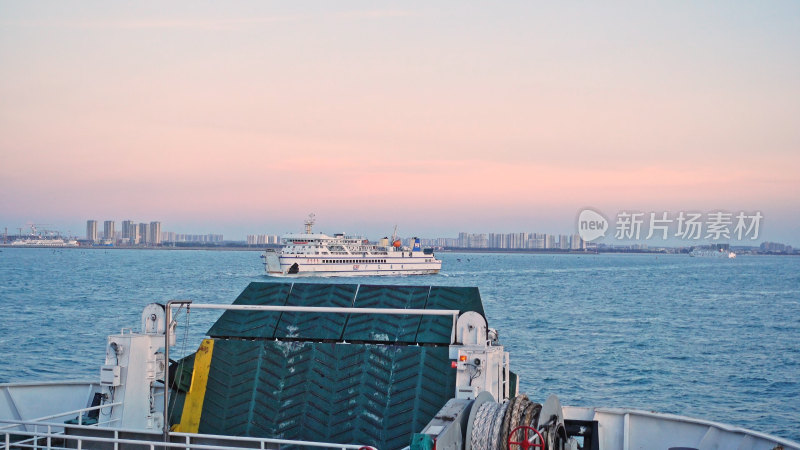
[712, 338]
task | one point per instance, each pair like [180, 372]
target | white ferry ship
[43, 238]
[317, 254]
[37, 242]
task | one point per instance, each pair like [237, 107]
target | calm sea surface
[712, 338]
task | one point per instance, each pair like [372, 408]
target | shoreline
[55, 247]
[235, 248]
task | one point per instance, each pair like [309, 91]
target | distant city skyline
[130, 232]
[439, 117]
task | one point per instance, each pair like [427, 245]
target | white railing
[46, 439]
[79, 412]
[453, 313]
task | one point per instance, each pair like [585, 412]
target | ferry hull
[354, 273]
[392, 263]
[298, 268]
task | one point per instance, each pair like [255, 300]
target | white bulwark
[317, 254]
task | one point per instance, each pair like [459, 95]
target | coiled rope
[494, 421]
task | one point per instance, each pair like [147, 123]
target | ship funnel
[416, 246]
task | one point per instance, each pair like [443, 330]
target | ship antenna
[309, 223]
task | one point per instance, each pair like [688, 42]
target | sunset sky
[243, 117]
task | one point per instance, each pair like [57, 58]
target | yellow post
[193, 404]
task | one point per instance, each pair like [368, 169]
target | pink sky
[244, 118]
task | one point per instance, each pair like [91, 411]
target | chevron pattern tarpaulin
[409, 329]
[346, 378]
[370, 394]
[246, 324]
[387, 328]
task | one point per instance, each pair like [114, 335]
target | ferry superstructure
[317, 254]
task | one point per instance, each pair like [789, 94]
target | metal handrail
[80, 427]
[187, 444]
[67, 413]
[321, 309]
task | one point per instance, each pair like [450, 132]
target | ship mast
[309, 223]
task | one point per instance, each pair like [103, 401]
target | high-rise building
[517, 240]
[133, 233]
[108, 230]
[144, 234]
[126, 230]
[772, 247]
[535, 240]
[261, 239]
[91, 230]
[578, 243]
[497, 240]
[167, 236]
[155, 233]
